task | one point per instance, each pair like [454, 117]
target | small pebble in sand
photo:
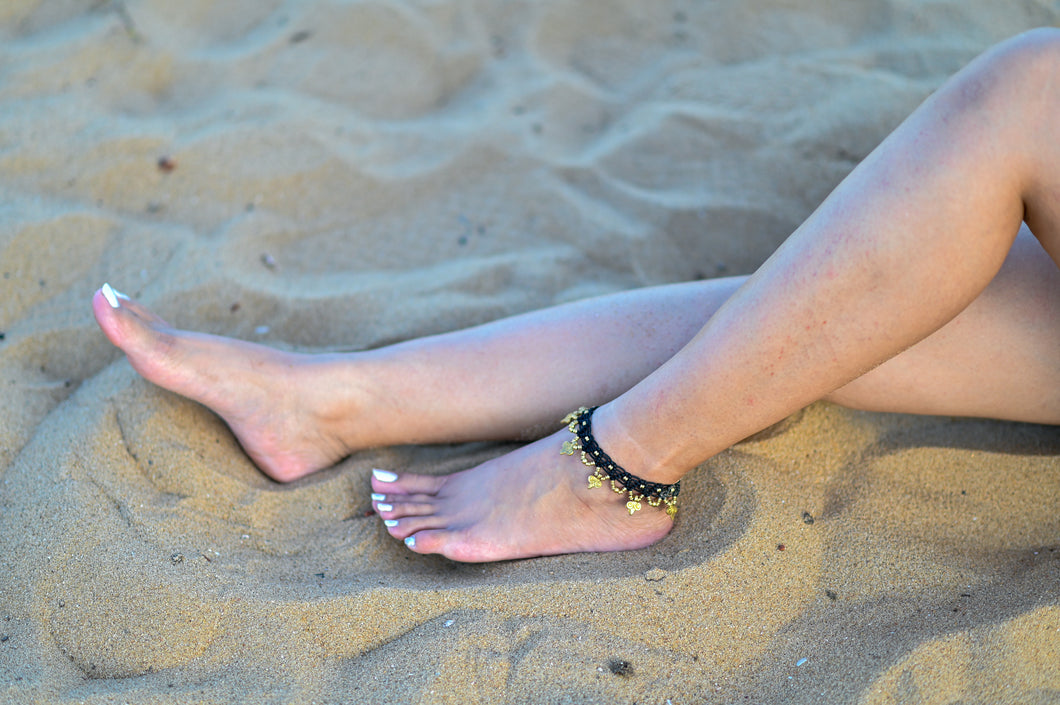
[655, 575]
[620, 667]
[449, 622]
[177, 558]
[268, 260]
[807, 518]
[166, 164]
[261, 330]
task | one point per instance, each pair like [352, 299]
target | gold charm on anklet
[654, 493]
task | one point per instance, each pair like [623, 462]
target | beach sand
[329, 175]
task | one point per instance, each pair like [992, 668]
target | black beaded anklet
[654, 493]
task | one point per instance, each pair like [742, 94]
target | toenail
[110, 296]
[410, 541]
[384, 475]
[385, 507]
[378, 497]
[390, 522]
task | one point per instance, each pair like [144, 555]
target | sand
[339, 175]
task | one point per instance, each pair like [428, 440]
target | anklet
[636, 490]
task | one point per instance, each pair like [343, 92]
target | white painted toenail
[390, 522]
[378, 497]
[410, 541]
[385, 507]
[110, 296]
[384, 475]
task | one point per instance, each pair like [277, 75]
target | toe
[144, 313]
[406, 526]
[399, 509]
[390, 483]
[129, 325]
[447, 542]
[427, 541]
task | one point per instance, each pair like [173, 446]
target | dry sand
[345, 174]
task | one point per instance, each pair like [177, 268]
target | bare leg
[997, 359]
[500, 380]
[298, 413]
[906, 243]
[901, 247]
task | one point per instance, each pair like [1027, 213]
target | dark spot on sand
[166, 164]
[807, 518]
[781, 547]
[300, 36]
[620, 667]
[831, 594]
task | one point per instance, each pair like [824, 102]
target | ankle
[619, 442]
[349, 402]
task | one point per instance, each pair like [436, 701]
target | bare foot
[286, 410]
[531, 502]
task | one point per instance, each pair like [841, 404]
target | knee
[1038, 49]
[1015, 81]
[1029, 61]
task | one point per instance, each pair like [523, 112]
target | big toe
[130, 326]
[392, 484]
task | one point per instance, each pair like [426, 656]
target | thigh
[1000, 358]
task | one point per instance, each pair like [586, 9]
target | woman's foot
[288, 411]
[531, 502]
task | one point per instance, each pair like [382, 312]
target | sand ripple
[329, 175]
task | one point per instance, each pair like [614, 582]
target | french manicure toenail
[410, 541]
[384, 475]
[385, 507]
[390, 522]
[109, 295]
[378, 497]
